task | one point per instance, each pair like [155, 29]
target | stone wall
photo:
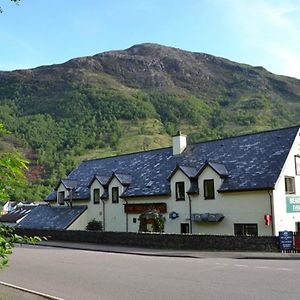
[161, 241]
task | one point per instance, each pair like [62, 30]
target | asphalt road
[75, 274]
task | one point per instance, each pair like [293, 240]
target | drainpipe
[103, 205]
[190, 213]
[71, 197]
[126, 202]
[272, 211]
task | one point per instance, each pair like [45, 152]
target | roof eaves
[70, 223]
[245, 189]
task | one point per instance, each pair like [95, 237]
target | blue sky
[256, 32]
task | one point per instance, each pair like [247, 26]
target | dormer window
[180, 190]
[61, 198]
[96, 195]
[115, 194]
[209, 189]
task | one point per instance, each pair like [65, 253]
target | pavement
[14, 292]
[170, 252]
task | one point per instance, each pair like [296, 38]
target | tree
[16, 1]
[12, 167]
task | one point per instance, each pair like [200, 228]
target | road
[74, 274]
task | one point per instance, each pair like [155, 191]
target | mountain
[134, 99]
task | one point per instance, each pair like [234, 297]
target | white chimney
[179, 143]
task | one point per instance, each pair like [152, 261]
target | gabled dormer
[182, 182]
[65, 190]
[210, 178]
[98, 188]
[117, 184]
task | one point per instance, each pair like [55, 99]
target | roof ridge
[245, 134]
[191, 144]
[124, 154]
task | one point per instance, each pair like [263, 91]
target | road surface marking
[244, 266]
[30, 291]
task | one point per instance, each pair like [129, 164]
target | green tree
[12, 167]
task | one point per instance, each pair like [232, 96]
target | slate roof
[188, 171]
[69, 184]
[16, 214]
[248, 162]
[52, 217]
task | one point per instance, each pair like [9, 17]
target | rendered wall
[80, 223]
[282, 219]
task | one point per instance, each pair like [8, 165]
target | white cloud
[271, 28]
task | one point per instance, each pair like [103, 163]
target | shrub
[94, 225]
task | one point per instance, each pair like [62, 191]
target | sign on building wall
[142, 207]
[293, 204]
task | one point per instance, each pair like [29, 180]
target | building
[243, 185]
[15, 212]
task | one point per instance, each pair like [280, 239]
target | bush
[94, 225]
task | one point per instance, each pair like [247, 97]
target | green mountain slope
[123, 101]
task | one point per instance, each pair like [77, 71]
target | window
[209, 189]
[96, 196]
[180, 191]
[115, 194]
[245, 229]
[297, 164]
[289, 185]
[61, 197]
[184, 228]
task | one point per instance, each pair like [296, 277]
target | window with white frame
[297, 164]
[209, 189]
[96, 195]
[180, 190]
[115, 194]
[289, 185]
[245, 229]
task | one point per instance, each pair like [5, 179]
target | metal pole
[190, 212]
[103, 226]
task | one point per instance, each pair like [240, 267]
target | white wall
[115, 217]
[237, 207]
[282, 219]
[179, 206]
[80, 223]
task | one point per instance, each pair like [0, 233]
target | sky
[256, 32]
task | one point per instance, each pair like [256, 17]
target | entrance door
[184, 228]
[297, 228]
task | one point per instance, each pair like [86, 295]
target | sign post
[286, 240]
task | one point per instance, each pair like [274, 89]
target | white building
[244, 185]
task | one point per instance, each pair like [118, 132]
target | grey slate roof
[69, 184]
[217, 167]
[248, 162]
[56, 217]
[188, 171]
[16, 214]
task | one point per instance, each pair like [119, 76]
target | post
[190, 213]
[103, 225]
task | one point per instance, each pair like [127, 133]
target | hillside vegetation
[135, 99]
